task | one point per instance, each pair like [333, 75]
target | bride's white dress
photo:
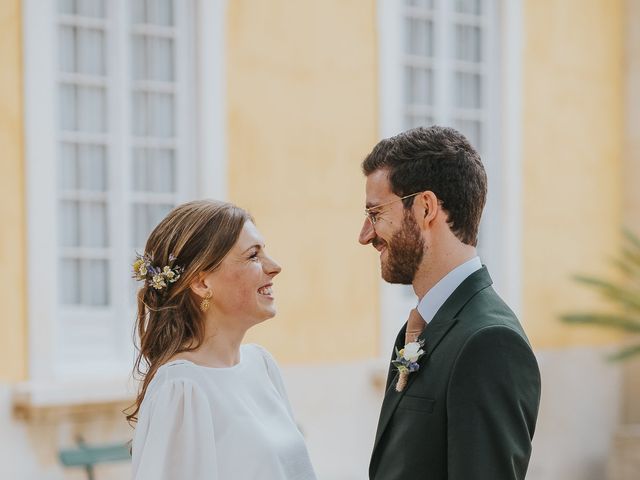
[236, 423]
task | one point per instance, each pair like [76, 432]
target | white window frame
[501, 222]
[41, 147]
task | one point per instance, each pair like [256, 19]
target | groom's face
[395, 234]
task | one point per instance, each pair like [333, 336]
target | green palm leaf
[625, 353]
[615, 293]
[624, 296]
[632, 238]
[629, 324]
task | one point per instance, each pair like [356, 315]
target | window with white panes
[449, 65]
[123, 126]
[450, 73]
[440, 65]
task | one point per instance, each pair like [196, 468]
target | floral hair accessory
[156, 277]
[407, 362]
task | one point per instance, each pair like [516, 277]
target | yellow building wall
[572, 143]
[13, 320]
[302, 114]
[631, 171]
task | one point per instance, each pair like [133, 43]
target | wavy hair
[199, 235]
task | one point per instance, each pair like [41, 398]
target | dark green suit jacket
[470, 411]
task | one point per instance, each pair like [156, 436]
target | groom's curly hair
[441, 160]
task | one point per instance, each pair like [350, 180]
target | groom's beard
[404, 253]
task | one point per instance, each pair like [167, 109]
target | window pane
[139, 170]
[473, 7]
[161, 171]
[68, 171]
[83, 224]
[160, 114]
[93, 224]
[152, 58]
[67, 107]
[138, 14]
[418, 37]
[420, 3]
[85, 8]
[91, 8]
[95, 282]
[160, 12]
[91, 52]
[67, 49]
[153, 170]
[468, 42]
[67, 7]
[145, 217]
[152, 12]
[160, 59]
[69, 223]
[413, 121]
[139, 57]
[139, 114]
[93, 168]
[468, 88]
[69, 287]
[157, 213]
[418, 86]
[91, 109]
[139, 227]
[472, 129]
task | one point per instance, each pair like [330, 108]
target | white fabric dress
[231, 423]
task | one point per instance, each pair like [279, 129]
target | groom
[467, 409]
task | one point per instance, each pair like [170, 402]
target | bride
[209, 408]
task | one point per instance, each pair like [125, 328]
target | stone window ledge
[78, 400]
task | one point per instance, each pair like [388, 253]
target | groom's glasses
[372, 212]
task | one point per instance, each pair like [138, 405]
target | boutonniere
[407, 362]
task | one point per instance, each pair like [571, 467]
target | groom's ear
[426, 208]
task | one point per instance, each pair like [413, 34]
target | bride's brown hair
[199, 235]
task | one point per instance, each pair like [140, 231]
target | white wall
[579, 413]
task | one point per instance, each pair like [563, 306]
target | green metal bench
[88, 456]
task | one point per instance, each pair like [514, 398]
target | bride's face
[242, 287]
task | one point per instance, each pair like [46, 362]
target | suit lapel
[398, 344]
[432, 335]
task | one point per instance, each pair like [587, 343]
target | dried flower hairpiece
[156, 277]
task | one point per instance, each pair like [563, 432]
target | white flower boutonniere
[407, 362]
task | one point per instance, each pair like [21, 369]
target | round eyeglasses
[371, 212]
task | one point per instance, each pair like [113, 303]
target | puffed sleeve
[276, 377]
[174, 437]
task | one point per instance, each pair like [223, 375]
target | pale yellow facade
[631, 170]
[300, 117]
[572, 158]
[13, 298]
[302, 113]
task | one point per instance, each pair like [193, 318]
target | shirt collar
[435, 298]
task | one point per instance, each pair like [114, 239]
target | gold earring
[204, 305]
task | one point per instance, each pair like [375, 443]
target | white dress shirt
[429, 305]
